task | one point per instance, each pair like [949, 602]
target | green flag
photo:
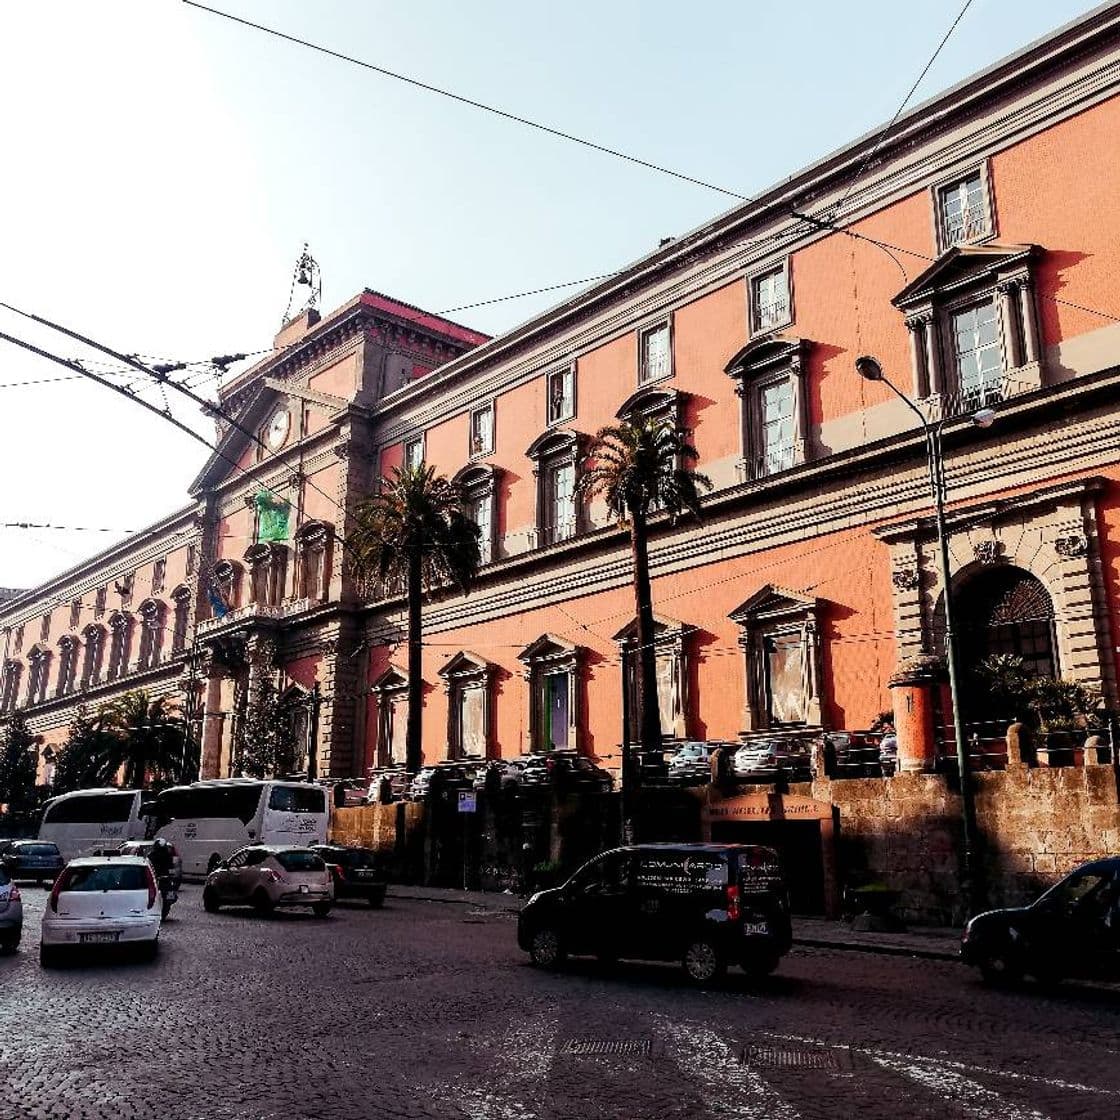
[272, 517]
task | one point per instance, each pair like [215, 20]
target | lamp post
[625, 792]
[870, 370]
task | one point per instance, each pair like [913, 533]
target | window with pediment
[557, 455]
[9, 694]
[152, 617]
[781, 642]
[267, 563]
[671, 644]
[180, 617]
[314, 553]
[654, 403]
[390, 690]
[973, 323]
[93, 655]
[467, 681]
[479, 486]
[67, 664]
[120, 644]
[768, 375]
[553, 675]
[38, 672]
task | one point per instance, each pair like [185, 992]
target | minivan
[705, 905]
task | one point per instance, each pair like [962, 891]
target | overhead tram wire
[505, 114]
[208, 407]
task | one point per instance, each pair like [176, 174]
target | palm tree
[415, 532]
[138, 739]
[637, 467]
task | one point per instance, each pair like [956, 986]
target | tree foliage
[266, 737]
[414, 533]
[18, 765]
[639, 468]
[1045, 702]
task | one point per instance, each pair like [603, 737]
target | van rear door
[763, 898]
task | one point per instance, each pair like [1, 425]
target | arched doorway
[1003, 610]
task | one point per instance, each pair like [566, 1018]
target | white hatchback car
[102, 900]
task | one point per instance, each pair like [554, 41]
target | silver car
[11, 914]
[770, 758]
[266, 876]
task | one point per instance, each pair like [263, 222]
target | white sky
[164, 166]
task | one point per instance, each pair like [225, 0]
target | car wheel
[262, 903]
[545, 949]
[321, 909]
[377, 899]
[702, 962]
[210, 902]
[149, 950]
[48, 956]
[10, 943]
[1001, 969]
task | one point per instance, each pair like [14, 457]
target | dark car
[705, 905]
[354, 871]
[441, 780]
[31, 859]
[505, 773]
[565, 769]
[1072, 931]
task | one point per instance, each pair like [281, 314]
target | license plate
[97, 938]
[755, 927]
[304, 888]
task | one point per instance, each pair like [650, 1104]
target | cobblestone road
[428, 1009]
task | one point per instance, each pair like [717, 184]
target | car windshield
[300, 861]
[38, 849]
[106, 877]
[298, 799]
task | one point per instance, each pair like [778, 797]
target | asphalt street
[428, 1009]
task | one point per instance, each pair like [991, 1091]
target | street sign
[468, 801]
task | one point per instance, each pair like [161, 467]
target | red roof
[423, 319]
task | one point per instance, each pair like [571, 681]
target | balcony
[254, 612]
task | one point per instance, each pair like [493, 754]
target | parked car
[564, 769]
[444, 776]
[266, 876]
[509, 773]
[354, 871]
[31, 859]
[705, 905]
[1073, 930]
[690, 764]
[100, 901]
[771, 758]
[11, 914]
[398, 779]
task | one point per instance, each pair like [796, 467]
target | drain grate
[606, 1047]
[789, 1057]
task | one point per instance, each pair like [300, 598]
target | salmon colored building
[975, 253]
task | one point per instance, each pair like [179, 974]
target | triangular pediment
[547, 646]
[961, 265]
[661, 625]
[465, 662]
[771, 600]
[392, 678]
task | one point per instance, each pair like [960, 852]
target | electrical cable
[471, 102]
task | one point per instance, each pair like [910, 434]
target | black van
[706, 905]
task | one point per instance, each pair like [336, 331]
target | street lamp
[870, 370]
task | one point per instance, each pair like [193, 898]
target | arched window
[1004, 610]
[181, 597]
[39, 669]
[67, 664]
[152, 615]
[225, 587]
[94, 655]
[268, 565]
[313, 560]
[557, 454]
[9, 694]
[120, 644]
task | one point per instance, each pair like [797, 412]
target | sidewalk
[817, 933]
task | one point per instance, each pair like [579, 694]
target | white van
[208, 821]
[89, 818]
